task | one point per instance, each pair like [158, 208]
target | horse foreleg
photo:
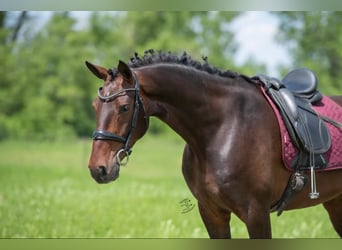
[334, 208]
[216, 222]
[258, 221]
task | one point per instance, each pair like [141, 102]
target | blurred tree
[8, 36]
[20, 21]
[119, 34]
[46, 91]
[314, 39]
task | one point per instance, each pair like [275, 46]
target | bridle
[109, 136]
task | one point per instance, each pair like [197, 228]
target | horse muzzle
[103, 173]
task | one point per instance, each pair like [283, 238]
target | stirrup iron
[314, 194]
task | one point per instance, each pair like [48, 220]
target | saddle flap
[312, 130]
[289, 104]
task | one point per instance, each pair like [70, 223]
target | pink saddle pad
[325, 107]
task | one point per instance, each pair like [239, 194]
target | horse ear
[125, 71]
[98, 71]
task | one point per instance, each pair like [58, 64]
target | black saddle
[294, 96]
[303, 83]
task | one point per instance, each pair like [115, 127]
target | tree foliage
[314, 40]
[46, 91]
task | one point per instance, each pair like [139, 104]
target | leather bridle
[109, 136]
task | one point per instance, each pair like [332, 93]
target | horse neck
[191, 102]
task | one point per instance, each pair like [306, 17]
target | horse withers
[232, 161]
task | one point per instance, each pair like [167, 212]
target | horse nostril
[102, 170]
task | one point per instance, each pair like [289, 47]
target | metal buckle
[126, 156]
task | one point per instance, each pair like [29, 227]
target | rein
[109, 136]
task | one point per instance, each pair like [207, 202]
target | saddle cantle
[303, 83]
[294, 96]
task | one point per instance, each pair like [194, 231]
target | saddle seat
[303, 83]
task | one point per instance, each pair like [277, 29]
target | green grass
[46, 191]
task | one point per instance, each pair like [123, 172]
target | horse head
[120, 121]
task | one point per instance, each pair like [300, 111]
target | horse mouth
[104, 175]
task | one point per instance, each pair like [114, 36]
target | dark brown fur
[232, 158]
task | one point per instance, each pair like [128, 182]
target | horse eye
[124, 108]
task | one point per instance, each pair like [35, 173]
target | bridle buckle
[126, 157]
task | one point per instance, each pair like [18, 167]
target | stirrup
[314, 194]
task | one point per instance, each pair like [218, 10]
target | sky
[255, 33]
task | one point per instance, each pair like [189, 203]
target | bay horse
[232, 159]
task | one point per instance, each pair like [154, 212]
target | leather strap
[105, 135]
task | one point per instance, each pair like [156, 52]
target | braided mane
[151, 57]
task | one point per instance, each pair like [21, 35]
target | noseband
[109, 136]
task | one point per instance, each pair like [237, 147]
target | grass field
[46, 191]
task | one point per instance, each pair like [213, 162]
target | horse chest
[201, 184]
